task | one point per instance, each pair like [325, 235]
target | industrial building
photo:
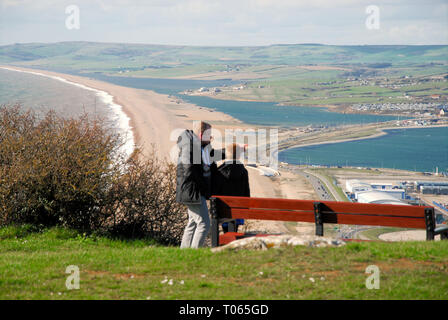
[356, 187]
[434, 190]
[430, 187]
[381, 186]
[378, 197]
[375, 192]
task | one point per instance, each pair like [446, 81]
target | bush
[54, 171]
[146, 202]
[70, 172]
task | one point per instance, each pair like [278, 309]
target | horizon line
[225, 46]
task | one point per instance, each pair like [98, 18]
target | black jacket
[191, 183]
[231, 179]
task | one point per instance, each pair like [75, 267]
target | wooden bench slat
[403, 222]
[374, 208]
[340, 218]
[279, 215]
[329, 206]
[265, 203]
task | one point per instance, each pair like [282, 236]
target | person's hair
[200, 126]
[233, 151]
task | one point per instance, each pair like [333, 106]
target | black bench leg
[430, 223]
[215, 233]
[318, 219]
[214, 222]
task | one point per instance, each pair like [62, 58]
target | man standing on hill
[194, 175]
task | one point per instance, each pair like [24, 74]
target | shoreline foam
[120, 117]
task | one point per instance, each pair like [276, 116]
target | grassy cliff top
[33, 266]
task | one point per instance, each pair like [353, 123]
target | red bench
[224, 208]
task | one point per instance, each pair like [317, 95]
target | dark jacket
[231, 179]
[191, 183]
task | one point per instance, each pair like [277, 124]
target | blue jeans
[198, 225]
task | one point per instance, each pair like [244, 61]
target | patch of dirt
[402, 263]
[408, 235]
[322, 67]
[118, 276]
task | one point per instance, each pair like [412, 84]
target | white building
[397, 194]
[356, 187]
[381, 185]
[378, 197]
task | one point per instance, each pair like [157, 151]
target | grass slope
[296, 74]
[113, 56]
[32, 266]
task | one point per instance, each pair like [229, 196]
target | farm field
[295, 74]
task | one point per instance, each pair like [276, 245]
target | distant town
[405, 95]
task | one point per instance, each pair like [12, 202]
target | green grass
[33, 264]
[326, 87]
[275, 61]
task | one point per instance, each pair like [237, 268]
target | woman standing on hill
[232, 179]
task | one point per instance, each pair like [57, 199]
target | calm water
[41, 93]
[410, 149]
[164, 86]
[270, 114]
[258, 113]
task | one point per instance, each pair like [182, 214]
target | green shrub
[57, 171]
[144, 202]
[54, 171]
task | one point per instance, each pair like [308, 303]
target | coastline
[169, 115]
[155, 119]
[122, 119]
[198, 112]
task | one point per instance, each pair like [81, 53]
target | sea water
[418, 149]
[34, 90]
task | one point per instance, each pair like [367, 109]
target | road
[320, 189]
[325, 190]
[329, 185]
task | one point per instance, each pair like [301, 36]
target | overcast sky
[226, 22]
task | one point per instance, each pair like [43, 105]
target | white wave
[119, 117]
